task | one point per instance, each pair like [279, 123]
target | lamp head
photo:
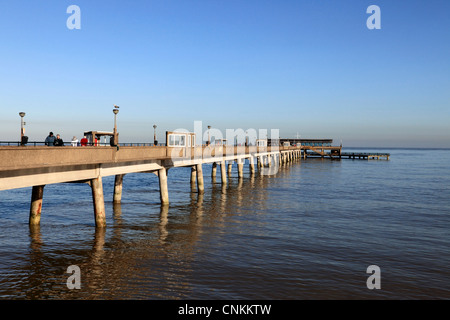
[22, 114]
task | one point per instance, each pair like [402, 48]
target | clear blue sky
[305, 66]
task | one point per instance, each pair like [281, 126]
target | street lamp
[155, 142]
[22, 131]
[209, 137]
[116, 135]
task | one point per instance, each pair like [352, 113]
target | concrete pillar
[200, 184]
[118, 182]
[223, 172]
[240, 165]
[230, 166]
[214, 169]
[36, 205]
[252, 164]
[99, 202]
[269, 160]
[193, 175]
[163, 190]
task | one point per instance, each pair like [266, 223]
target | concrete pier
[38, 166]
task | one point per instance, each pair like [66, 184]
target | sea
[315, 230]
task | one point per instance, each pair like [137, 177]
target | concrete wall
[35, 157]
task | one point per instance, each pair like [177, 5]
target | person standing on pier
[58, 142]
[74, 141]
[50, 140]
[84, 141]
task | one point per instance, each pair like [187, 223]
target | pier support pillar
[163, 190]
[230, 166]
[252, 164]
[37, 195]
[223, 172]
[193, 175]
[118, 183]
[200, 184]
[260, 162]
[240, 165]
[214, 170]
[99, 202]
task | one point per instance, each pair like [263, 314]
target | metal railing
[69, 144]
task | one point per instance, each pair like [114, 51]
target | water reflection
[148, 258]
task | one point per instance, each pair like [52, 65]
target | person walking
[58, 142]
[50, 140]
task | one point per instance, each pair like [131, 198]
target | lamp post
[116, 135]
[155, 142]
[209, 136]
[21, 114]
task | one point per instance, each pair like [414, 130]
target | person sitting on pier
[58, 142]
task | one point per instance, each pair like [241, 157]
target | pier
[37, 166]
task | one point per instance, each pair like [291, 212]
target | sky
[309, 68]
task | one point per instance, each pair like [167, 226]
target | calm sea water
[309, 232]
